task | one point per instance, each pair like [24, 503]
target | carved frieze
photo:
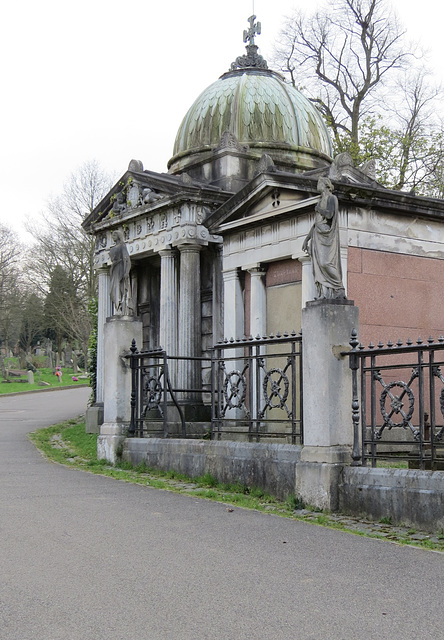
[163, 221]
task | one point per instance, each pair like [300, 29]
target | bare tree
[354, 63]
[343, 55]
[62, 247]
[10, 290]
[407, 141]
[59, 237]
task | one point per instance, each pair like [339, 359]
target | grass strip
[68, 443]
[45, 375]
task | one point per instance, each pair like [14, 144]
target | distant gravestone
[31, 377]
[68, 356]
[75, 367]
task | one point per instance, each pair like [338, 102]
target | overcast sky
[112, 80]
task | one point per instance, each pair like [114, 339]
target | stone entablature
[368, 229]
[154, 212]
[148, 232]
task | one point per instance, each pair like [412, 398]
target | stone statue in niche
[120, 283]
[322, 244]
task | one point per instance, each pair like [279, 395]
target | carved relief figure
[150, 196]
[120, 284]
[322, 244]
[119, 205]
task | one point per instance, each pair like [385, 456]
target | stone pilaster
[308, 285]
[258, 302]
[233, 305]
[103, 311]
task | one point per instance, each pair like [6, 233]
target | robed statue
[120, 283]
[322, 244]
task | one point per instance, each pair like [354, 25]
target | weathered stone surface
[94, 418]
[413, 498]
[271, 467]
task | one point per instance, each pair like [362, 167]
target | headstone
[68, 356]
[75, 368]
[31, 377]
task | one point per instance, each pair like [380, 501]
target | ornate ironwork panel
[398, 402]
[258, 388]
[254, 391]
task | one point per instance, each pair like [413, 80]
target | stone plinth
[328, 430]
[119, 332]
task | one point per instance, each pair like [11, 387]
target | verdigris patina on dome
[262, 111]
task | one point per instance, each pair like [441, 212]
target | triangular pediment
[267, 196]
[139, 191]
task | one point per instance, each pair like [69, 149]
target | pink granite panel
[398, 265]
[354, 259]
[283, 272]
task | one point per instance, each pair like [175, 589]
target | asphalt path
[91, 558]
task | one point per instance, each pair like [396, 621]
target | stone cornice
[235, 211]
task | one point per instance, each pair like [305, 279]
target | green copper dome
[263, 112]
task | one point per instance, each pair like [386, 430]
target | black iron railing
[398, 402]
[252, 388]
[158, 400]
[257, 386]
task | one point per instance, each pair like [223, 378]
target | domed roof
[262, 111]
[257, 107]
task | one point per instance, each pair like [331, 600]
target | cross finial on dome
[252, 59]
[254, 30]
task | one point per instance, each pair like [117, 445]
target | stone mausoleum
[215, 244]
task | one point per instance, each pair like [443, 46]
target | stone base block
[317, 484]
[110, 448]
[94, 418]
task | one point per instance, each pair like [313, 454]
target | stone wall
[407, 497]
[270, 467]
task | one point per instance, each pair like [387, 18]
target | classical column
[258, 326]
[190, 324]
[218, 297]
[168, 301]
[233, 305]
[308, 285]
[258, 302]
[103, 312]
[234, 323]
